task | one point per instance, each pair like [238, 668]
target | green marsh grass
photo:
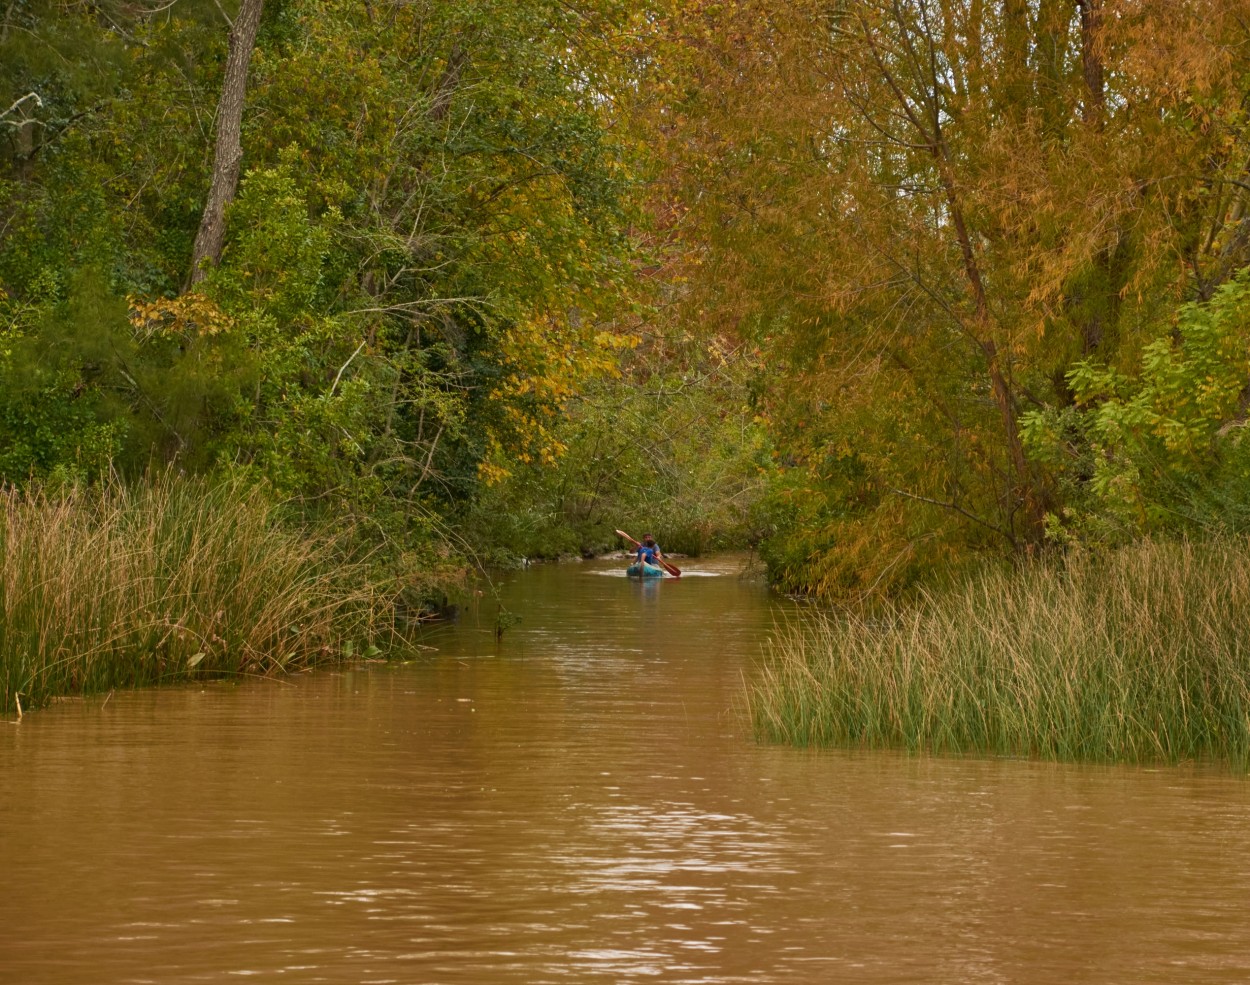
[1142, 655]
[171, 580]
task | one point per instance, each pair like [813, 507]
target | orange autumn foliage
[927, 213]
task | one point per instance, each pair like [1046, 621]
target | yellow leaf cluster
[549, 358]
[187, 316]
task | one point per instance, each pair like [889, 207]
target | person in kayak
[649, 551]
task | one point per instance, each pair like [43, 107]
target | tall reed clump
[173, 579]
[1141, 655]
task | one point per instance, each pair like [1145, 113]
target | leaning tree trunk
[228, 154]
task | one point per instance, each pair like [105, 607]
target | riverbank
[1138, 656]
[170, 580]
[174, 579]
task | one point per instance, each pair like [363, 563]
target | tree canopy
[915, 281]
[938, 219]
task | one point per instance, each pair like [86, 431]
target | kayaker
[649, 551]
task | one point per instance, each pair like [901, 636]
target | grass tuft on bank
[170, 580]
[1142, 655]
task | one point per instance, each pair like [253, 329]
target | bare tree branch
[228, 153]
[224, 15]
[16, 106]
[956, 508]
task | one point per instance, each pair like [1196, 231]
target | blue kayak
[644, 570]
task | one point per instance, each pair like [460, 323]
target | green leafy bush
[1165, 448]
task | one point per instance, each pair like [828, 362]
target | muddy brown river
[584, 802]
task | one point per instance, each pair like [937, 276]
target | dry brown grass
[171, 580]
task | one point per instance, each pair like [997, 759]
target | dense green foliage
[1161, 448]
[673, 448]
[425, 258]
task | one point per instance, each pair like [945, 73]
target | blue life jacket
[647, 554]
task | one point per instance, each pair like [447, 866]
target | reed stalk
[171, 580]
[1142, 655]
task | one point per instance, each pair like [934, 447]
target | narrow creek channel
[583, 802]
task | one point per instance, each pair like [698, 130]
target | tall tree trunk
[1106, 289]
[447, 83]
[228, 153]
[1091, 62]
[1028, 490]
[1017, 59]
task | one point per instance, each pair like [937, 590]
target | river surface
[583, 802]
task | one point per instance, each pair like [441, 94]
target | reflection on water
[583, 803]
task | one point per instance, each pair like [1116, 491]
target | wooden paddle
[672, 569]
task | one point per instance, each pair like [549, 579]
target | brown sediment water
[582, 801]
